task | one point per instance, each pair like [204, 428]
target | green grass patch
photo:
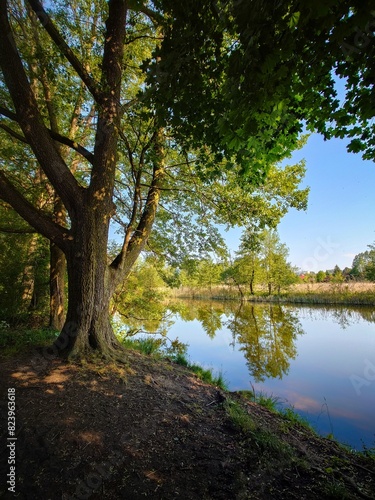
[291, 416]
[15, 341]
[176, 352]
[202, 373]
[239, 417]
[336, 491]
[368, 452]
[266, 443]
[145, 345]
[270, 402]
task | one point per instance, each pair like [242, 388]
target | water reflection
[307, 356]
[343, 316]
[266, 334]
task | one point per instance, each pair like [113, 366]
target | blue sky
[340, 219]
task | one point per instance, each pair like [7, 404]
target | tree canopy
[119, 111]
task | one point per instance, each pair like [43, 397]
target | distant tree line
[259, 266]
[363, 269]
[261, 263]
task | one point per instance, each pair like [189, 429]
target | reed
[302, 293]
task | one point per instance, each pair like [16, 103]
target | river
[318, 360]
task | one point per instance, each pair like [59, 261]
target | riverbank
[150, 428]
[362, 294]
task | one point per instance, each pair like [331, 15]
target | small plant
[180, 359]
[270, 402]
[146, 345]
[4, 325]
[368, 452]
[239, 417]
[266, 443]
[336, 490]
[221, 382]
[295, 418]
[176, 352]
[13, 341]
[207, 376]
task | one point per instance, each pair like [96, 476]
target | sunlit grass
[268, 401]
[351, 293]
[265, 442]
[176, 352]
[145, 345]
[14, 341]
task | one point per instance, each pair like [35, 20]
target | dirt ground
[150, 429]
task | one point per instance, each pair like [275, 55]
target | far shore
[347, 293]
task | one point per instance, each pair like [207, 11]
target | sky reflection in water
[321, 361]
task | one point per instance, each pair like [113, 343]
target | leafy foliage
[363, 266]
[262, 260]
[262, 67]
[134, 111]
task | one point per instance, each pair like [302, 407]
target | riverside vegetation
[101, 127]
[352, 293]
[150, 427]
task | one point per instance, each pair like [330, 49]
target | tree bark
[28, 278]
[91, 278]
[252, 282]
[90, 286]
[57, 285]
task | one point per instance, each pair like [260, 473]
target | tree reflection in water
[265, 333]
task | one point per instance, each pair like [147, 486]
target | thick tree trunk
[90, 287]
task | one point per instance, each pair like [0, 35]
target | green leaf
[294, 18]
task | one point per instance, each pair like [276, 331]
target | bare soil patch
[151, 429]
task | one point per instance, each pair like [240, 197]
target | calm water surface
[321, 361]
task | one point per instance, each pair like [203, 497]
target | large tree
[163, 93]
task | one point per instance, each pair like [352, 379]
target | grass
[207, 376]
[351, 293]
[293, 418]
[14, 341]
[265, 443]
[336, 490]
[271, 452]
[176, 352]
[146, 345]
[270, 402]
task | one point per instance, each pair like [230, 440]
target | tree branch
[19, 230]
[30, 119]
[56, 36]
[9, 114]
[109, 113]
[132, 248]
[54, 135]
[73, 145]
[155, 17]
[13, 133]
[43, 224]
